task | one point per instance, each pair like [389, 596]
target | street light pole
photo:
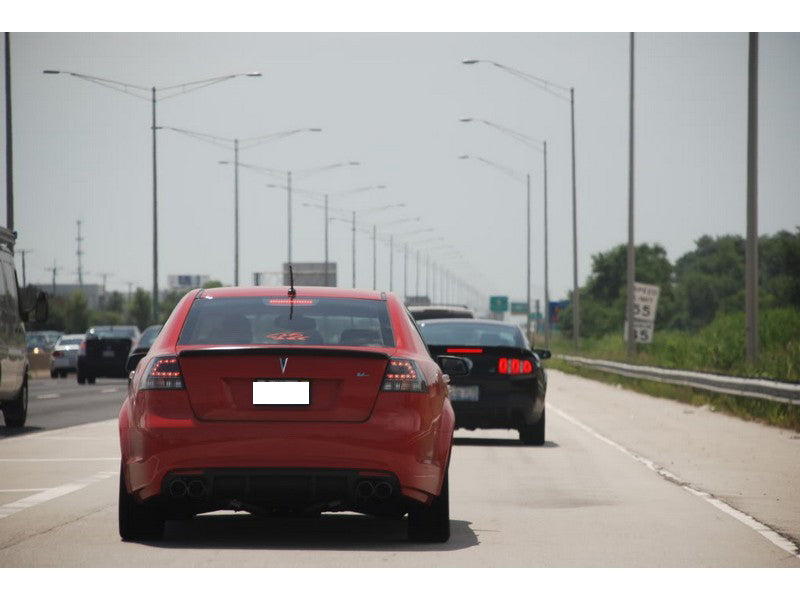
[236, 211]
[9, 141]
[576, 310]
[289, 214]
[631, 274]
[391, 262]
[354, 249]
[405, 272]
[374, 257]
[141, 92]
[326, 240]
[546, 261]
[751, 249]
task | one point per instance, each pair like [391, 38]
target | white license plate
[281, 392]
[464, 392]
[108, 354]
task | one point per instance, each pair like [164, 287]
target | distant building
[418, 301]
[186, 282]
[93, 292]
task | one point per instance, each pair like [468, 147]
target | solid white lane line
[91, 459]
[47, 396]
[14, 507]
[39, 434]
[757, 526]
[24, 490]
[108, 390]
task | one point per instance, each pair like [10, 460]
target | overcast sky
[393, 102]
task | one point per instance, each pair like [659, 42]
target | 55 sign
[645, 303]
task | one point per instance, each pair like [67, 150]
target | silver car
[65, 355]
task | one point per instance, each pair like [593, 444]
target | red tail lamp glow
[465, 350]
[514, 366]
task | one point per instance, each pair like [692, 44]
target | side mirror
[542, 353]
[133, 360]
[41, 310]
[454, 365]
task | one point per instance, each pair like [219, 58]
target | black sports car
[104, 352]
[506, 386]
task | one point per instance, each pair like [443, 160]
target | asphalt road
[624, 480]
[57, 403]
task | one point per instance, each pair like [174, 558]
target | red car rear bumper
[405, 435]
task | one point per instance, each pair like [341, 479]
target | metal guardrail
[777, 391]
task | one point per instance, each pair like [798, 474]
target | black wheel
[63, 374]
[80, 377]
[16, 411]
[137, 521]
[533, 435]
[54, 373]
[432, 523]
[90, 379]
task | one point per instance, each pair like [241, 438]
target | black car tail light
[514, 366]
[403, 375]
[163, 373]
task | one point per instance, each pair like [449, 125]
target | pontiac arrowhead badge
[283, 360]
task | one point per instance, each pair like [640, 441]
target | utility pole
[751, 248]
[289, 212]
[104, 276]
[528, 255]
[9, 140]
[79, 253]
[631, 248]
[23, 253]
[53, 270]
[130, 288]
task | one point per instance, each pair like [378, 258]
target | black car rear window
[309, 321]
[443, 333]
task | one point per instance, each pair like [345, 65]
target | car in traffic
[104, 352]
[64, 356]
[441, 311]
[287, 401]
[14, 365]
[505, 388]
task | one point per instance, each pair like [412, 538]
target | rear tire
[63, 374]
[137, 521]
[90, 380]
[533, 435]
[80, 377]
[431, 524]
[54, 373]
[15, 411]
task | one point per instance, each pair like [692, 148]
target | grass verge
[749, 409]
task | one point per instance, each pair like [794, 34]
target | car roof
[469, 321]
[302, 292]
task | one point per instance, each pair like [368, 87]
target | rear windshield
[440, 313]
[148, 336]
[309, 321]
[442, 333]
[113, 331]
[69, 340]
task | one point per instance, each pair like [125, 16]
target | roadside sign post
[497, 306]
[645, 303]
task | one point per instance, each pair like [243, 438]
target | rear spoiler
[488, 350]
[281, 351]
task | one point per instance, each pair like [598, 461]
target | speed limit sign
[645, 302]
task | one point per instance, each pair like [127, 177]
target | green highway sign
[536, 316]
[519, 308]
[498, 303]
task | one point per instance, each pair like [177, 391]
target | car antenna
[292, 291]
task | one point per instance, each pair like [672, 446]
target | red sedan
[287, 401]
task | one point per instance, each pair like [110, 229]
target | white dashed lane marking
[50, 494]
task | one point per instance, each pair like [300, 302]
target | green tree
[76, 313]
[168, 302]
[140, 307]
[213, 283]
[116, 303]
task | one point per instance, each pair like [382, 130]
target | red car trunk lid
[344, 383]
